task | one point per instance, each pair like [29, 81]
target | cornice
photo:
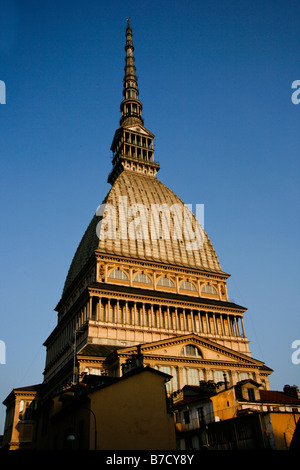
[151, 295]
[220, 275]
[83, 272]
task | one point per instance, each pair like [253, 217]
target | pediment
[140, 129]
[208, 350]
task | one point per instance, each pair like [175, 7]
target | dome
[143, 219]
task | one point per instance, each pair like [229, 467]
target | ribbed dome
[133, 189]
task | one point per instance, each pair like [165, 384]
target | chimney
[292, 391]
[135, 361]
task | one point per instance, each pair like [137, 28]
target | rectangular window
[167, 370]
[219, 377]
[251, 394]
[200, 416]
[188, 443]
[186, 417]
[193, 375]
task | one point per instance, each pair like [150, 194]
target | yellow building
[217, 417]
[145, 275]
[107, 413]
[19, 424]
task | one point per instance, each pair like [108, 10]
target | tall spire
[132, 144]
[131, 107]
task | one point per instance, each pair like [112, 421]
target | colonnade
[189, 375]
[174, 318]
[151, 316]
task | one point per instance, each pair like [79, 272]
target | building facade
[82, 417]
[145, 277]
[19, 427]
[145, 273]
[217, 417]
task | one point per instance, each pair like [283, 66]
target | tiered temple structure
[146, 274]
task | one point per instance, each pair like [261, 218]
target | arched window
[118, 274]
[187, 285]
[143, 279]
[191, 350]
[165, 282]
[207, 289]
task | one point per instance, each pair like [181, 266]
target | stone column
[130, 276]
[152, 316]
[180, 377]
[242, 323]
[207, 323]
[117, 319]
[237, 328]
[144, 322]
[169, 319]
[108, 311]
[88, 310]
[215, 323]
[193, 321]
[200, 321]
[98, 311]
[135, 315]
[222, 324]
[196, 321]
[176, 320]
[185, 326]
[160, 325]
[231, 329]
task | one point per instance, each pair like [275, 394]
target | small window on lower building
[186, 417]
[188, 443]
[200, 415]
[251, 394]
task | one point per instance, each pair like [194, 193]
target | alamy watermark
[2, 352]
[296, 354]
[296, 94]
[2, 92]
[157, 222]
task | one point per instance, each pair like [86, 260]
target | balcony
[192, 421]
[138, 143]
[193, 425]
[135, 159]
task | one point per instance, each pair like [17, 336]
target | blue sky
[215, 82]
